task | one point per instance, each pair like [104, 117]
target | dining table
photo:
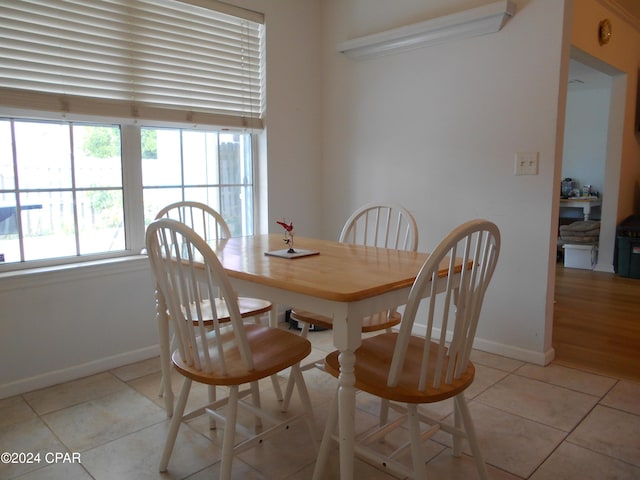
[584, 203]
[343, 281]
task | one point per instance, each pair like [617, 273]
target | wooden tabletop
[341, 272]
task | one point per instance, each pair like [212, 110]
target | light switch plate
[526, 163]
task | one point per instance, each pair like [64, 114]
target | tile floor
[533, 423]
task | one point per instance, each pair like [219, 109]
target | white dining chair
[211, 226]
[410, 369]
[227, 353]
[384, 225]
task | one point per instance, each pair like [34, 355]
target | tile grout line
[566, 439]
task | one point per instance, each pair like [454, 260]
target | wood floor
[597, 322]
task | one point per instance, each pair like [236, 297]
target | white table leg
[273, 317]
[347, 338]
[165, 355]
[347, 414]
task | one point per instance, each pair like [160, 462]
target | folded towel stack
[583, 232]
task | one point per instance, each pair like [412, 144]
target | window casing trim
[61, 106]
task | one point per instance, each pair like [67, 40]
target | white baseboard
[603, 267]
[77, 371]
[509, 351]
[517, 353]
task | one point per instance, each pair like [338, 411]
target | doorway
[593, 140]
[576, 288]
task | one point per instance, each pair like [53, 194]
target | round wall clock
[604, 31]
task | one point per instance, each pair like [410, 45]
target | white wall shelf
[468, 23]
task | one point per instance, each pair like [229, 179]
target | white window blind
[165, 60]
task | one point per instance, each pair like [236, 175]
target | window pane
[164, 168]
[225, 185]
[44, 155]
[7, 177]
[237, 205]
[235, 159]
[200, 152]
[47, 225]
[96, 156]
[100, 221]
[62, 210]
[157, 198]
[207, 195]
[9, 240]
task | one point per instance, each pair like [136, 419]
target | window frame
[133, 204]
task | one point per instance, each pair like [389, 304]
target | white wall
[436, 129]
[66, 324]
[585, 143]
[293, 118]
[585, 136]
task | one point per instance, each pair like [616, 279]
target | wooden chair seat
[249, 307]
[373, 361]
[273, 351]
[371, 323]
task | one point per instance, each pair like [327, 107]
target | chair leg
[172, 347]
[274, 378]
[323, 454]
[212, 398]
[384, 411]
[165, 352]
[276, 387]
[461, 403]
[161, 389]
[255, 398]
[288, 392]
[417, 453]
[457, 422]
[304, 333]
[384, 403]
[229, 434]
[175, 424]
[306, 402]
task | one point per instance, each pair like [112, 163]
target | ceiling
[585, 77]
[632, 7]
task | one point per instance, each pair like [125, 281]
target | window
[209, 167]
[136, 104]
[62, 191]
[61, 194]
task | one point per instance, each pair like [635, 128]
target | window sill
[34, 277]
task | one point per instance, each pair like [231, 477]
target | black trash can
[627, 251]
